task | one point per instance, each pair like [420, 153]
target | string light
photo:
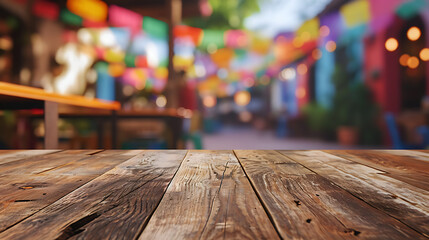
[391, 44]
[324, 31]
[424, 54]
[331, 46]
[413, 62]
[414, 33]
[209, 101]
[242, 98]
[302, 69]
[317, 54]
[403, 60]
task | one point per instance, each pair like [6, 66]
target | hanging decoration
[356, 13]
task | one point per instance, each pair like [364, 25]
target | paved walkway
[232, 138]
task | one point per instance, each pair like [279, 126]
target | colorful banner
[356, 13]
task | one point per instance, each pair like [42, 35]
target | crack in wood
[213, 199]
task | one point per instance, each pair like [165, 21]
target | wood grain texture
[210, 198]
[400, 200]
[24, 191]
[407, 166]
[304, 205]
[13, 155]
[115, 205]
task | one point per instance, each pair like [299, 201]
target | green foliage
[227, 14]
[353, 106]
[317, 117]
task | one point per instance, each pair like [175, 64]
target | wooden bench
[13, 97]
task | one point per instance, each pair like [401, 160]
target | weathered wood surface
[115, 205]
[407, 166]
[210, 198]
[242, 194]
[305, 205]
[13, 155]
[404, 202]
[26, 190]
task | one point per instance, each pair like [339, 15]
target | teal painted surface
[324, 69]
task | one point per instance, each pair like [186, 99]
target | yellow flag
[356, 13]
[309, 30]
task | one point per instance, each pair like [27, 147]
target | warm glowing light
[25, 75]
[209, 101]
[302, 69]
[317, 54]
[391, 44]
[413, 62]
[300, 92]
[414, 33]
[85, 36]
[161, 101]
[242, 98]
[6, 43]
[127, 90]
[288, 74]
[324, 31]
[424, 54]
[331, 46]
[245, 116]
[403, 60]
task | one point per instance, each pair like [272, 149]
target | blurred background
[243, 74]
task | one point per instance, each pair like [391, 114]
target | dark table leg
[175, 124]
[51, 125]
[114, 129]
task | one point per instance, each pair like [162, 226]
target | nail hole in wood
[308, 220]
[297, 202]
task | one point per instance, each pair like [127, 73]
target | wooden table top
[243, 194]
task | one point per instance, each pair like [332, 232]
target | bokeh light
[414, 33]
[413, 62]
[288, 74]
[424, 54]
[302, 69]
[391, 44]
[316, 54]
[331, 46]
[209, 101]
[324, 31]
[300, 92]
[161, 101]
[242, 98]
[403, 60]
[245, 116]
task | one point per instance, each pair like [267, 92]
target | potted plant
[353, 111]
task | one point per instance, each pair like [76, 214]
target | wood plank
[24, 192]
[14, 90]
[115, 205]
[422, 155]
[13, 155]
[51, 125]
[210, 198]
[304, 205]
[400, 200]
[406, 166]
